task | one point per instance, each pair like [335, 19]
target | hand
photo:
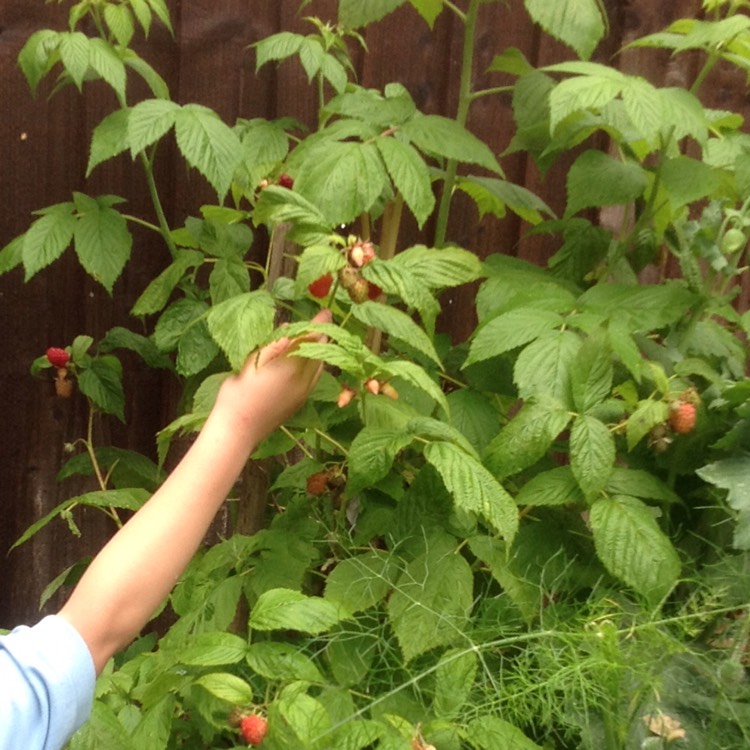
[271, 386]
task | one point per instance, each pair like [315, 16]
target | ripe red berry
[373, 291]
[321, 286]
[682, 418]
[286, 181]
[317, 483]
[57, 357]
[253, 729]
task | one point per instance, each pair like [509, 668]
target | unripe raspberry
[373, 386]
[348, 277]
[361, 253]
[345, 396]
[682, 418]
[388, 390]
[359, 291]
[63, 384]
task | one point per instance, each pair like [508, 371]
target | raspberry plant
[504, 542]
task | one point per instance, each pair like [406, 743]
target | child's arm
[136, 570]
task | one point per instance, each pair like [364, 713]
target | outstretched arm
[135, 571]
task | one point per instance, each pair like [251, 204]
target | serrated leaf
[36, 56]
[437, 429]
[263, 142]
[554, 487]
[109, 139]
[108, 64]
[317, 261]
[577, 23]
[474, 416]
[645, 107]
[213, 650]
[157, 293]
[440, 136]
[596, 179]
[431, 602]
[493, 196]
[371, 456]
[632, 546]
[281, 661]
[47, 238]
[120, 21]
[142, 12]
[641, 484]
[354, 14]
[439, 268]
[584, 92]
[454, 679]
[148, 121]
[11, 256]
[284, 609]
[473, 488]
[102, 239]
[226, 687]
[208, 144]
[279, 46]
[543, 367]
[74, 55]
[647, 415]
[410, 176]
[526, 438]
[592, 454]
[509, 331]
[360, 582]
[687, 180]
[428, 9]
[592, 374]
[153, 80]
[241, 324]
[415, 375]
[397, 325]
[344, 181]
[161, 11]
[101, 381]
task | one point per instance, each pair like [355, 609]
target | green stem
[153, 191]
[489, 92]
[708, 66]
[142, 222]
[462, 115]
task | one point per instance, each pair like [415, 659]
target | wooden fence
[43, 155]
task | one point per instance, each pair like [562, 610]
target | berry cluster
[358, 254]
[372, 385]
[253, 728]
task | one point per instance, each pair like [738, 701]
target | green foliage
[515, 544]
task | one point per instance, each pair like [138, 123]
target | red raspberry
[682, 419]
[57, 357]
[286, 181]
[317, 483]
[373, 291]
[253, 729]
[320, 287]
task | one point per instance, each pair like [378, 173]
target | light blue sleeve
[47, 681]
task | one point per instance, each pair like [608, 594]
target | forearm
[136, 570]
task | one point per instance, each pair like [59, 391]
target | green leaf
[48, 237]
[410, 176]
[317, 261]
[440, 136]
[263, 142]
[120, 21]
[284, 609]
[36, 57]
[733, 475]
[473, 488]
[110, 138]
[396, 324]
[103, 729]
[161, 11]
[474, 416]
[208, 145]
[509, 331]
[153, 80]
[142, 12]
[493, 195]
[527, 437]
[148, 121]
[281, 661]
[591, 376]
[304, 715]
[584, 92]
[454, 679]
[592, 454]
[641, 484]
[344, 181]
[415, 375]
[213, 650]
[439, 430]
[431, 603]
[11, 256]
[554, 487]
[108, 64]
[358, 583]
[596, 179]
[644, 105]
[632, 547]
[492, 733]
[687, 180]
[357, 13]
[101, 381]
[543, 367]
[577, 23]
[647, 415]
[226, 687]
[102, 240]
[371, 456]
[428, 9]
[241, 324]
[74, 55]
[158, 292]
[279, 46]
[440, 268]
